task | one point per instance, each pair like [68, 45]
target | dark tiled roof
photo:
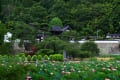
[39, 34]
[66, 28]
[31, 25]
[113, 35]
[56, 28]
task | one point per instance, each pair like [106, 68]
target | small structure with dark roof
[114, 36]
[56, 30]
[66, 28]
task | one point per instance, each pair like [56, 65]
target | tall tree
[55, 22]
[23, 31]
[3, 31]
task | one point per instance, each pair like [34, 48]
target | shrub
[0, 56]
[39, 53]
[11, 58]
[117, 58]
[57, 57]
[93, 59]
[21, 54]
[60, 57]
[45, 52]
[84, 54]
[39, 57]
[28, 57]
[34, 57]
[45, 57]
[6, 48]
[17, 72]
[5, 56]
[23, 58]
[51, 57]
[72, 49]
[17, 58]
[90, 47]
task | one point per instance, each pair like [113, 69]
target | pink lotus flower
[79, 71]
[2, 64]
[18, 63]
[53, 61]
[54, 68]
[81, 65]
[25, 64]
[53, 64]
[51, 73]
[93, 70]
[103, 68]
[68, 72]
[108, 66]
[40, 78]
[109, 69]
[10, 66]
[36, 65]
[72, 69]
[64, 66]
[85, 69]
[107, 79]
[28, 78]
[114, 69]
[63, 72]
[118, 61]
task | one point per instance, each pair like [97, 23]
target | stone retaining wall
[107, 47]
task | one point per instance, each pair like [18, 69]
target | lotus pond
[55, 70]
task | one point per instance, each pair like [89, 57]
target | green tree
[5, 48]
[84, 54]
[45, 52]
[55, 22]
[0, 5]
[68, 35]
[72, 49]
[39, 13]
[54, 43]
[90, 47]
[3, 31]
[23, 31]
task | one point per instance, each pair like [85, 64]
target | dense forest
[86, 17]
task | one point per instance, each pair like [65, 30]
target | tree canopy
[90, 47]
[3, 31]
[81, 15]
[55, 22]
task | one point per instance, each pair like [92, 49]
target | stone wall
[107, 47]
[17, 49]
